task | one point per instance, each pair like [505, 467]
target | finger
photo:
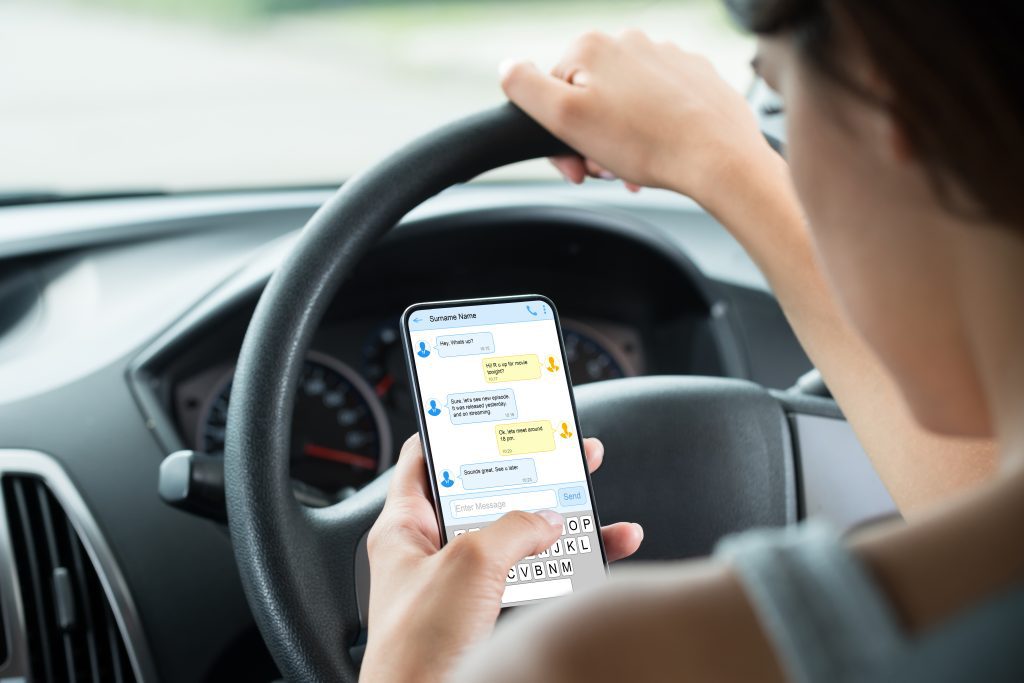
[596, 170]
[632, 187]
[544, 97]
[594, 450]
[621, 539]
[571, 167]
[410, 476]
[584, 52]
[405, 524]
[634, 37]
[578, 77]
[572, 73]
[518, 534]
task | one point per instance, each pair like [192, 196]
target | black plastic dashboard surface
[633, 304]
[113, 304]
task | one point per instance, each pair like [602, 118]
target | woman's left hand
[427, 603]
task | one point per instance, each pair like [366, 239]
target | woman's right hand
[649, 113]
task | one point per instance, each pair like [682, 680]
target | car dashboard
[353, 407]
[121, 322]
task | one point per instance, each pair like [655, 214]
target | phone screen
[500, 432]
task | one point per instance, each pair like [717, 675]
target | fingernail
[553, 518]
[505, 66]
[607, 175]
[640, 529]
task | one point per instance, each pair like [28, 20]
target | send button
[573, 495]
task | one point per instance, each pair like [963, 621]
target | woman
[894, 240]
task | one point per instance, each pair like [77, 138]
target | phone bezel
[421, 414]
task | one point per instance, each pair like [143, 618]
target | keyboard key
[584, 544]
[586, 524]
[570, 545]
[523, 570]
[473, 531]
[572, 524]
[538, 570]
[556, 549]
[512, 576]
[535, 591]
[545, 554]
[565, 565]
[563, 526]
[459, 532]
[552, 567]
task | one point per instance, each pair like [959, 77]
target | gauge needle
[384, 385]
[324, 453]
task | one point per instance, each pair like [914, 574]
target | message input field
[499, 505]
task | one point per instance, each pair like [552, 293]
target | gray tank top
[828, 621]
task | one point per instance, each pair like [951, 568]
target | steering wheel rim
[290, 557]
[702, 457]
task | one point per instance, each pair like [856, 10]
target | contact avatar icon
[424, 351]
[446, 481]
[434, 410]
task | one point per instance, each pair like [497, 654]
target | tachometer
[341, 438]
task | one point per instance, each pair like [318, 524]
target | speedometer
[340, 436]
[591, 355]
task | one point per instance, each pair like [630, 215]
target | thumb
[544, 97]
[518, 534]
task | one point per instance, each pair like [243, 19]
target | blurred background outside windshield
[120, 95]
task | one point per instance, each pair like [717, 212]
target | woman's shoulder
[799, 603]
[820, 608]
[828, 616]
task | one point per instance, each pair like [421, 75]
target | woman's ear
[888, 132]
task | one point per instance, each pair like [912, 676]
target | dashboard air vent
[70, 629]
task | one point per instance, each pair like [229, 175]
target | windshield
[132, 95]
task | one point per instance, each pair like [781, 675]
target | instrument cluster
[354, 405]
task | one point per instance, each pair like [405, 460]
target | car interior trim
[52, 474]
[246, 284]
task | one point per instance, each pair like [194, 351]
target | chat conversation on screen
[511, 368]
[482, 406]
[525, 437]
[487, 475]
[454, 345]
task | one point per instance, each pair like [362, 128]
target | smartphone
[500, 432]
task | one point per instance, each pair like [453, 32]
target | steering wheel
[702, 456]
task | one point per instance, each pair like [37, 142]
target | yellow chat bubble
[519, 438]
[511, 368]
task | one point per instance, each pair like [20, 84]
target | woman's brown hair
[955, 70]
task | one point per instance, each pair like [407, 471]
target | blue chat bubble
[471, 344]
[485, 475]
[490, 405]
